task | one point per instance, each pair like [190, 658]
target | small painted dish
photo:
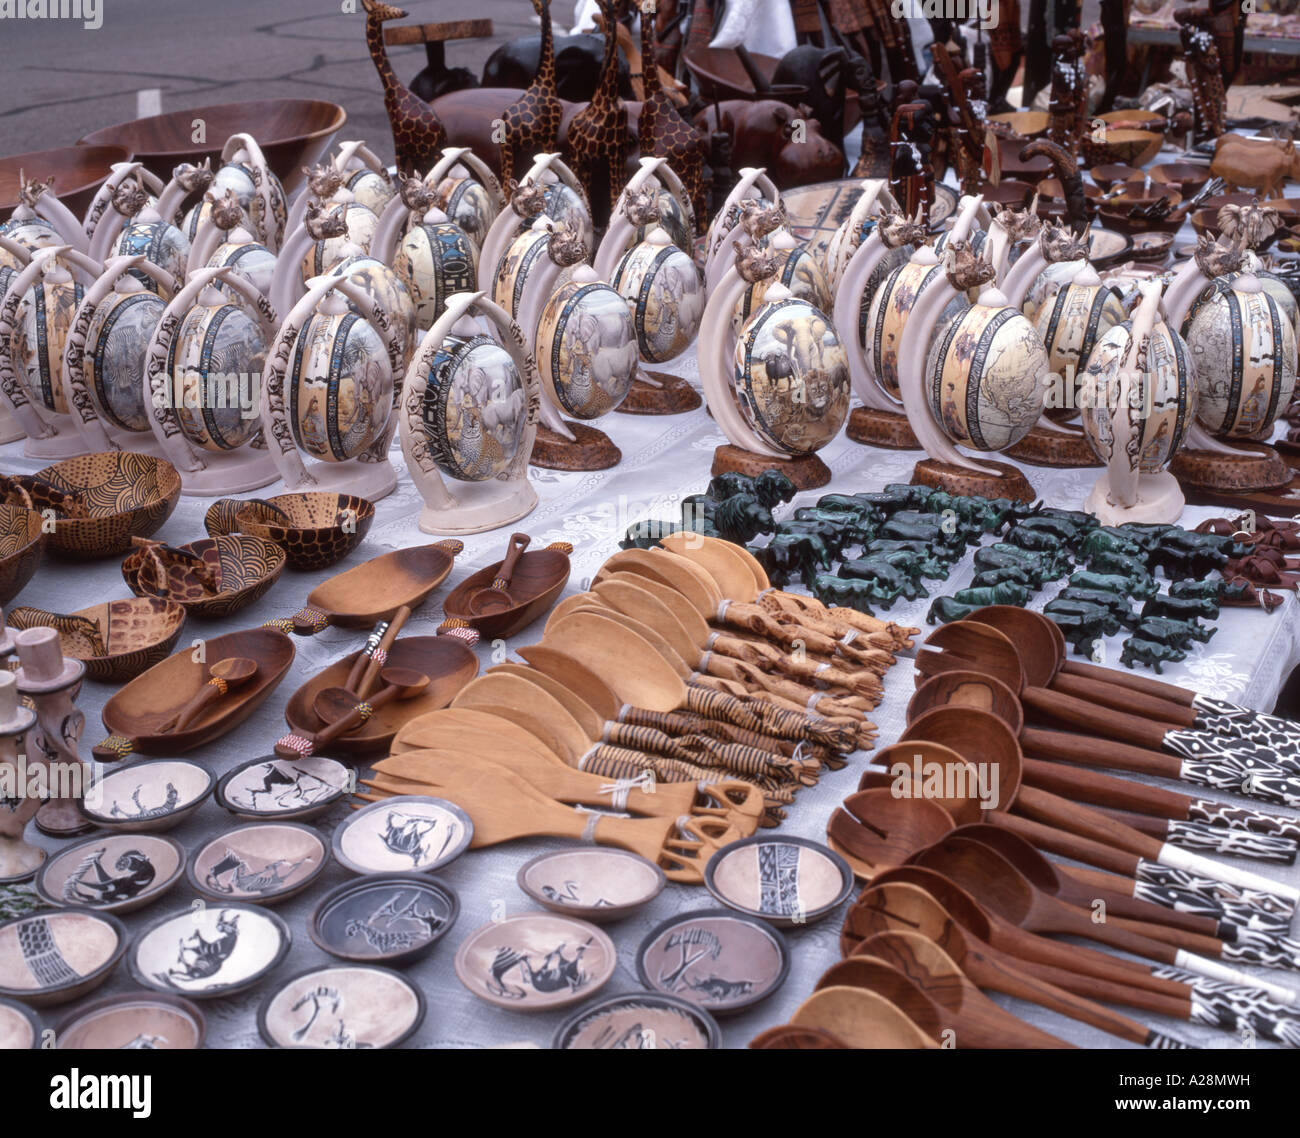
[786, 881]
[262, 863]
[59, 955]
[1153, 246]
[270, 787]
[343, 1006]
[20, 1030]
[384, 919]
[136, 1021]
[147, 797]
[718, 959]
[211, 950]
[404, 834]
[112, 873]
[536, 962]
[638, 1021]
[597, 884]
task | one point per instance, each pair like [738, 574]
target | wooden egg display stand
[19, 859]
[476, 506]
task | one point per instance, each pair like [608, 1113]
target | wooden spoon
[885, 980]
[233, 671]
[495, 598]
[788, 1037]
[863, 1019]
[342, 711]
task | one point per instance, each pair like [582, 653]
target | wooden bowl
[1129, 147]
[1115, 213]
[262, 863]
[269, 788]
[20, 1030]
[147, 797]
[1029, 123]
[78, 172]
[1152, 246]
[133, 1020]
[638, 1020]
[597, 884]
[787, 881]
[1205, 222]
[126, 495]
[1013, 167]
[78, 950]
[137, 633]
[539, 578]
[22, 538]
[1051, 188]
[321, 527]
[245, 568]
[377, 1008]
[1107, 174]
[292, 133]
[1009, 193]
[385, 919]
[1185, 177]
[112, 873]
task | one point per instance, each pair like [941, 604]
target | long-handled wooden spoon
[342, 711]
[222, 676]
[495, 598]
[864, 1020]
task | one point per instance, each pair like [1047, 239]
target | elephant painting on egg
[586, 348]
[475, 409]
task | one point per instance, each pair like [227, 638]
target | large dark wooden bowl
[22, 537]
[292, 133]
[537, 581]
[78, 171]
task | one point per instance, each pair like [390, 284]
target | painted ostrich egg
[249, 259]
[666, 293]
[1274, 285]
[369, 187]
[566, 206]
[792, 376]
[160, 243]
[727, 219]
[389, 291]
[586, 348]
[339, 386]
[215, 363]
[1070, 327]
[891, 304]
[799, 271]
[467, 204]
[41, 325]
[1244, 352]
[326, 253]
[435, 260]
[673, 219]
[32, 233]
[1047, 284]
[117, 343]
[475, 408]
[984, 377]
[1158, 413]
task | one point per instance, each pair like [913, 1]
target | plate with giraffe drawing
[270, 787]
[112, 873]
[384, 919]
[57, 955]
[147, 796]
[598, 883]
[262, 863]
[342, 1007]
[408, 833]
[536, 961]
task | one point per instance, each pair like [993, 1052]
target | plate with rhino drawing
[147, 797]
[112, 873]
[410, 833]
[272, 787]
[598, 884]
[262, 863]
[342, 1007]
[638, 1021]
[718, 959]
[384, 919]
[786, 881]
[137, 1021]
[536, 961]
[209, 950]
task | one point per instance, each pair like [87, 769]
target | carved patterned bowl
[125, 495]
[22, 538]
[58, 955]
[241, 567]
[315, 529]
[128, 636]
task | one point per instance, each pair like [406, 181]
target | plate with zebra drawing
[112, 873]
[408, 833]
[638, 1021]
[262, 863]
[536, 961]
[786, 881]
[271, 787]
[716, 958]
[58, 955]
[384, 919]
[342, 1007]
[598, 883]
[147, 797]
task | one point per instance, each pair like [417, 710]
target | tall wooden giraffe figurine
[418, 134]
[532, 122]
[599, 140]
[662, 131]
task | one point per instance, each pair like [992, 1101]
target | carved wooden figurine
[418, 133]
[1204, 73]
[532, 122]
[19, 860]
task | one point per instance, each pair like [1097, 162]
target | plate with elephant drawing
[272, 787]
[342, 1007]
[638, 1021]
[113, 873]
[409, 833]
[209, 950]
[715, 958]
[262, 863]
[384, 919]
[536, 961]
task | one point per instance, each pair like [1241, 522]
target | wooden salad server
[789, 1037]
[222, 676]
[374, 656]
[342, 711]
[862, 1019]
[885, 980]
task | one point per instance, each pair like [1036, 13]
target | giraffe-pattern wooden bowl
[22, 538]
[235, 571]
[315, 530]
[116, 640]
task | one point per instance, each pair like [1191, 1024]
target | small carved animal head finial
[1020, 224]
[30, 189]
[528, 201]
[965, 268]
[566, 246]
[323, 181]
[1214, 258]
[1059, 243]
[897, 229]
[194, 179]
[754, 262]
[758, 219]
[130, 198]
[323, 223]
[1248, 226]
[415, 195]
[642, 206]
[226, 210]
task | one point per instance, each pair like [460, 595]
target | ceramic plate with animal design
[406, 834]
[272, 787]
[212, 950]
[536, 961]
[597, 884]
[354, 1006]
[787, 881]
[133, 1022]
[715, 958]
[113, 873]
[56, 956]
[385, 919]
[638, 1021]
[147, 796]
[20, 1030]
[262, 863]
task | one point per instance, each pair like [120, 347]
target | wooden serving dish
[22, 538]
[1009, 193]
[292, 133]
[78, 171]
[136, 714]
[1109, 173]
[135, 1020]
[113, 873]
[315, 529]
[58, 955]
[1185, 177]
[243, 567]
[124, 495]
[446, 660]
[128, 636]
[539, 578]
[372, 1008]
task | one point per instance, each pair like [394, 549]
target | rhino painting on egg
[117, 343]
[41, 325]
[343, 395]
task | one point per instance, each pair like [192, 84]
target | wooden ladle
[495, 598]
[232, 672]
[342, 711]
[863, 1019]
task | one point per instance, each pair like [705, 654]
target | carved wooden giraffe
[418, 133]
[599, 140]
[532, 122]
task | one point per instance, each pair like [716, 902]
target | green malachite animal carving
[1110, 540]
[1078, 518]
[832, 590]
[851, 504]
[1038, 540]
[853, 530]
[1107, 623]
[1117, 583]
[1051, 566]
[1137, 650]
[916, 496]
[772, 488]
[646, 535]
[1008, 575]
[956, 533]
[1082, 633]
[888, 582]
[1175, 633]
[1060, 527]
[739, 518]
[834, 537]
[1118, 606]
[789, 555]
[1006, 594]
[1132, 567]
[1181, 608]
[934, 564]
[989, 560]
